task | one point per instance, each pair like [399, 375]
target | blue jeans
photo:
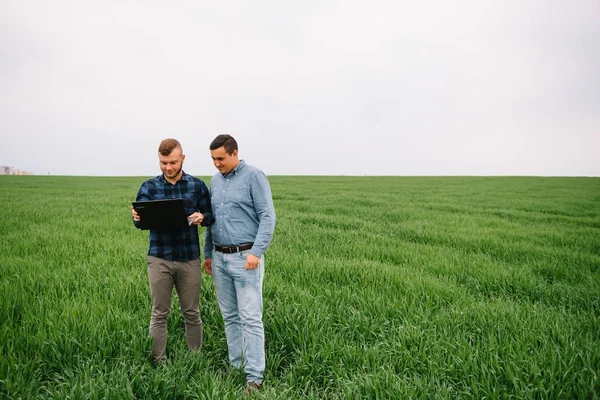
[239, 293]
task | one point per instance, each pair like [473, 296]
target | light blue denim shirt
[243, 210]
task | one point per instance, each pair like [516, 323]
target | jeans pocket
[244, 254]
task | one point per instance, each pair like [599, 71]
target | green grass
[376, 287]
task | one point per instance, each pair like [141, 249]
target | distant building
[4, 170]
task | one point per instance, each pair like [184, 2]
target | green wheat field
[375, 288]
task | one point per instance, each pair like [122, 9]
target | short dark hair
[168, 145]
[226, 141]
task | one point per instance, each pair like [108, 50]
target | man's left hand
[195, 218]
[252, 261]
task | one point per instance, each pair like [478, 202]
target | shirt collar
[236, 170]
[184, 177]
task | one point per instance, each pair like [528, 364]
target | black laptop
[161, 214]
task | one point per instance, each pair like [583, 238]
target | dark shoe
[161, 363]
[252, 387]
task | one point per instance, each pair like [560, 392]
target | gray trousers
[186, 276]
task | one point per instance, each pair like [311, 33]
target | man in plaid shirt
[174, 254]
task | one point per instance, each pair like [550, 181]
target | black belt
[234, 249]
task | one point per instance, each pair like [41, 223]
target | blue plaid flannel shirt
[177, 244]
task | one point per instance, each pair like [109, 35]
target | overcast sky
[472, 87]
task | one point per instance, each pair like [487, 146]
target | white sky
[472, 87]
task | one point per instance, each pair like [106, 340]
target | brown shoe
[252, 387]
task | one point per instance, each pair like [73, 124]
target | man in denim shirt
[233, 248]
[174, 254]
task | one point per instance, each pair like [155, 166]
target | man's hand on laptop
[195, 218]
[135, 215]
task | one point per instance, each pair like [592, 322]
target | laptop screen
[161, 214]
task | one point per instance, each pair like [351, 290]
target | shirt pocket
[190, 202]
[240, 195]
